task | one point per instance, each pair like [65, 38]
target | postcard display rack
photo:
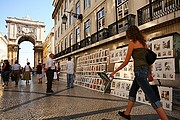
[166, 67]
[63, 74]
[87, 68]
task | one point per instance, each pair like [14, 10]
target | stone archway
[20, 30]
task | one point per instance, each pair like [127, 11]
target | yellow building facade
[48, 45]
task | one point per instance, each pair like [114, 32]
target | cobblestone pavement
[29, 102]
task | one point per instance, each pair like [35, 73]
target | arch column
[12, 53]
[38, 55]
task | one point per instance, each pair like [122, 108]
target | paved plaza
[30, 102]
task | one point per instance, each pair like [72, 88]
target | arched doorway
[20, 30]
[37, 47]
[26, 54]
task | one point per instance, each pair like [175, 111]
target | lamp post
[77, 16]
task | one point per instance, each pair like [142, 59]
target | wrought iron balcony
[156, 10]
[101, 35]
[121, 25]
[85, 42]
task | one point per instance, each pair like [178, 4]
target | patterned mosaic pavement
[29, 102]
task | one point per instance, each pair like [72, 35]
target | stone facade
[3, 49]
[25, 29]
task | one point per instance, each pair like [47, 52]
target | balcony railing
[101, 35]
[156, 10]
[85, 42]
[121, 25]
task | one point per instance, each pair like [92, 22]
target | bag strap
[159, 82]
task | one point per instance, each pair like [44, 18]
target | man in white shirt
[70, 73]
[50, 72]
[16, 71]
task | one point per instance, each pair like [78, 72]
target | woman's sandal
[123, 115]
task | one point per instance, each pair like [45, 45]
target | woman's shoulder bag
[150, 57]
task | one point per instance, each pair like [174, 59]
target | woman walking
[6, 69]
[27, 70]
[137, 49]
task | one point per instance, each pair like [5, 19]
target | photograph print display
[165, 93]
[166, 97]
[140, 97]
[164, 69]
[167, 105]
[163, 47]
[149, 45]
[167, 46]
[113, 84]
[117, 74]
[157, 47]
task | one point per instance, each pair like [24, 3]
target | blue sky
[38, 10]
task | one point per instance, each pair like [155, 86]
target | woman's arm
[3, 67]
[128, 56]
[150, 78]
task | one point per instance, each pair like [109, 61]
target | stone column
[13, 54]
[38, 51]
[36, 59]
[10, 54]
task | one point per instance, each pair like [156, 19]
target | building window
[122, 8]
[66, 4]
[71, 41]
[62, 11]
[66, 43]
[122, 11]
[86, 3]
[65, 26]
[70, 18]
[58, 15]
[55, 20]
[101, 19]
[61, 28]
[87, 28]
[78, 35]
[62, 46]
[56, 49]
[59, 48]
[119, 2]
[58, 32]
[55, 35]
[78, 7]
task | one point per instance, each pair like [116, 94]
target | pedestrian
[6, 69]
[70, 73]
[55, 74]
[27, 72]
[39, 72]
[22, 73]
[58, 72]
[137, 49]
[33, 71]
[16, 71]
[50, 73]
[44, 73]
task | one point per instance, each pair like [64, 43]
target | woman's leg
[129, 107]
[147, 89]
[161, 113]
[132, 97]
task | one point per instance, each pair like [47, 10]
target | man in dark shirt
[39, 72]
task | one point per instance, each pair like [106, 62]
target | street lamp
[77, 16]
